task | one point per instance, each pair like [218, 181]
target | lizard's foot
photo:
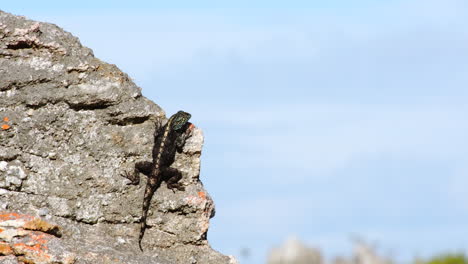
[172, 177]
[176, 185]
[133, 177]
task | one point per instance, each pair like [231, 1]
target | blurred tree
[294, 251]
[452, 258]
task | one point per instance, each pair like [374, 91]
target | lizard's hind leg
[172, 177]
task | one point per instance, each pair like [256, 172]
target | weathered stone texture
[70, 125]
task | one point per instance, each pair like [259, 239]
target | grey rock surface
[70, 125]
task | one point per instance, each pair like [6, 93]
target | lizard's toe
[176, 186]
[133, 180]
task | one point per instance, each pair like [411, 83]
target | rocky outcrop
[70, 125]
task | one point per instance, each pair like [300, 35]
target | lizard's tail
[151, 186]
[142, 232]
[143, 223]
[146, 204]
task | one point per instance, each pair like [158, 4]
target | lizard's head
[180, 119]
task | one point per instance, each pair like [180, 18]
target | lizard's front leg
[182, 137]
[141, 166]
[172, 177]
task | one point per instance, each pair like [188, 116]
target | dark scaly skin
[167, 140]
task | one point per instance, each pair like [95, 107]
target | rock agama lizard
[167, 140]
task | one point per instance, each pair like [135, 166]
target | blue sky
[323, 119]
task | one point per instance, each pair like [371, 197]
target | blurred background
[332, 128]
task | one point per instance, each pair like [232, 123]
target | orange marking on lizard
[6, 119]
[5, 127]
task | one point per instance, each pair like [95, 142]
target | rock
[70, 125]
[294, 252]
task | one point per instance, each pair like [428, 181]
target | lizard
[167, 140]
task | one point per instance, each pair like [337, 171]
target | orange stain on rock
[41, 225]
[36, 248]
[23, 260]
[9, 216]
[202, 195]
[33, 247]
[24, 247]
[14, 216]
[6, 119]
[5, 249]
[5, 127]
[41, 239]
